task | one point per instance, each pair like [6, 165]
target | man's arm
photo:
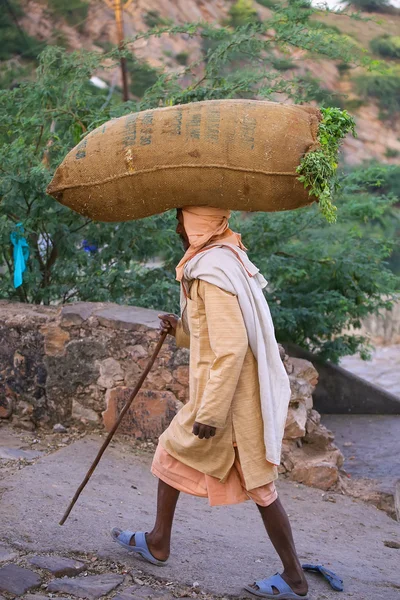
[229, 343]
[173, 325]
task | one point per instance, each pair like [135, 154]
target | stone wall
[82, 361]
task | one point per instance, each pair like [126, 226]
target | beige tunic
[224, 392]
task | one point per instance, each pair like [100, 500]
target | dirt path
[220, 548]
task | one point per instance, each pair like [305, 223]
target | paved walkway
[382, 370]
[214, 551]
[370, 444]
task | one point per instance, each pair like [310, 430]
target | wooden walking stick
[114, 429]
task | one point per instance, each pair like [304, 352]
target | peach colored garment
[189, 480]
[224, 392]
[205, 225]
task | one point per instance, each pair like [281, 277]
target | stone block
[24, 423]
[301, 391]
[58, 565]
[181, 375]
[59, 428]
[16, 453]
[133, 372]
[159, 378]
[80, 412]
[6, 553]
[296, 422]
[91, 587]
[55, 340]
[317, 434]
[304, 369]
[149, 415]
[144, 592]
[76, 314]
[17, 580]
[323, 475]
[77, 370]
[111, 373]
[137, 351]
[6, 408]
[130, 318]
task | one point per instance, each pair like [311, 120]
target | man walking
[225, 443]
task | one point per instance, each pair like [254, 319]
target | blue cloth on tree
[21, 253]
[88, 247]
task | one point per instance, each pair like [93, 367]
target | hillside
[91, 25]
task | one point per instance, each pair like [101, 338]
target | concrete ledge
[115, 316]
[127, 317]
[339, 391]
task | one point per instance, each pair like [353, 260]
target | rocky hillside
[91, 25]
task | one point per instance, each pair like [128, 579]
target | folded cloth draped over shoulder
[229, 268]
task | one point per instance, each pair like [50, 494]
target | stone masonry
[82, 361]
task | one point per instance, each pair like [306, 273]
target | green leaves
[323, 279]
[318, 168]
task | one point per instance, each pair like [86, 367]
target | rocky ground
[371, 447]
[214, 551]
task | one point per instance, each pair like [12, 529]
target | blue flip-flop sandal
[334, 580]
[124, 537]
[266, 589]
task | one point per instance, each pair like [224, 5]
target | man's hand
[168, 323]
[203, 431]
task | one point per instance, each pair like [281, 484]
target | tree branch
[81, 226]
[39, 139]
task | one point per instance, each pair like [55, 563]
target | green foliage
[392, 153]
[14, 41]
[182, 58]
[317, 289]
[386, 45]
[343, 68]
[322, 26]
[12, 74]
[381, 181]
[324, 278]
[40, 121]
[152, 18]
[384, 87]
[318, 168]
[73, 11]
[268, 3]
[371, 5]
[142, 76]
[313, 91]
[281, 63]
[376, 179]
[241, 13]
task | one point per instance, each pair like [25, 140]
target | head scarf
[205, 226]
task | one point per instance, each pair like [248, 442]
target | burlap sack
[237, 154]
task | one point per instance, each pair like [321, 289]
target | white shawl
[221, 267]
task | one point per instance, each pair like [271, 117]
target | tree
[324, 278]
[371, 5]
[241, 13]
[318, 289]
[14, 40]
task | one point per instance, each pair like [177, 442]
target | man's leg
[159, 538]
[277, 524]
